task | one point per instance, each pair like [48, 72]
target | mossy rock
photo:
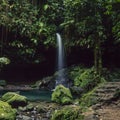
[68, 113]
[14, 99]
[6, 111]
[62, 95]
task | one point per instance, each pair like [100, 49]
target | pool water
[33, 95]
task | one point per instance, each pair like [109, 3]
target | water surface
[33, 95]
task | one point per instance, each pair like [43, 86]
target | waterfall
[60, 62]
[60, 52]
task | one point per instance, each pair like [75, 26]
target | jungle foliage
[29, 24]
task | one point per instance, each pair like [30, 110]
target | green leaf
[46, 7]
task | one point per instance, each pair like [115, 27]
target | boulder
[14, 99]
[62, 95]
[6, 111]
[23, 117]
[47, 83]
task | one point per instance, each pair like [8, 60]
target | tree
[19, 23]
[29, 24]
[85, 25]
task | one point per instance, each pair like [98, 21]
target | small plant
[4, 60]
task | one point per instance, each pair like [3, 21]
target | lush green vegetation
[62, 95]
[27, 25]
[14, 99]
[6, 111]
[68, 113]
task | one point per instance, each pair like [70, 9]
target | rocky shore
[106, 107]
[11, 87]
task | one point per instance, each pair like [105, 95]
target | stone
[46, 83]
[91, 117]
[90, 114]
[96, 106]
[14, 99]
[23, 117]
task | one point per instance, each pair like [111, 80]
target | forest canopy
[28, 25]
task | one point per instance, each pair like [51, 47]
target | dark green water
[33, 95]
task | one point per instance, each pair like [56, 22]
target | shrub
[88, 99]
[68, 113]
[6, 111]
[88, 79]
[62, 95]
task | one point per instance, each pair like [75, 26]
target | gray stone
[91, 117]
[1, 87]
[23, 117]
[97, 106]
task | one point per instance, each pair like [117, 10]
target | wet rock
[47, 83]
[25, 117]
[18, 87]
[22, 117]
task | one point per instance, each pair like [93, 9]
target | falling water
[60, 52]
[60, 78]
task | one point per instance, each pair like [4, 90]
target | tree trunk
[98, 57]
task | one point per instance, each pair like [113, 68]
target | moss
[6, 112]
[14, 99]
[68, 113]
[88, 99]
[62, 95]
[86, 78]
